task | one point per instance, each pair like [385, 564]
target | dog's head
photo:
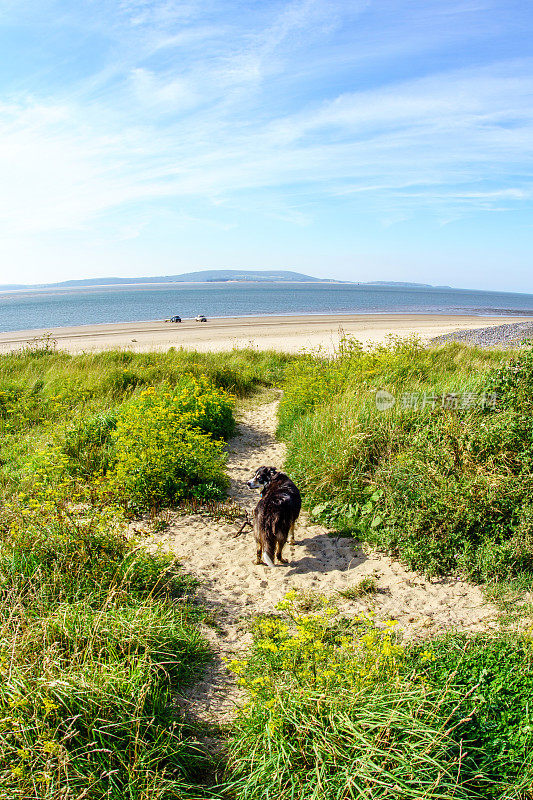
[262, 477]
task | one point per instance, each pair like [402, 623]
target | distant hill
[215, 275]
[202, 276]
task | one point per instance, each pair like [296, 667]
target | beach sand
[284, 333]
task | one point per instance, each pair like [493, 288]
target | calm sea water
[48, 308]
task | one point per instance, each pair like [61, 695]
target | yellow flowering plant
[193, 400]
[318, 650]
[335, 711]
[165, 448]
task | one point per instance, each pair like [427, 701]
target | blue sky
[363, 140]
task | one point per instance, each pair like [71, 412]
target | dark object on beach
[275, 514]
[201, 318]
[175, 318]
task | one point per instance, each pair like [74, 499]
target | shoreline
[289, 333]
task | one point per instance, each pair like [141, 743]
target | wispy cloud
[69, 163]
[217, 103]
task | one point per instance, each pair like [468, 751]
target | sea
[55, 308]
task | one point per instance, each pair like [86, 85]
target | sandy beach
[284, 333]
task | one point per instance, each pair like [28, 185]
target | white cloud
[173, 95]
[205, 122]
[62, 165]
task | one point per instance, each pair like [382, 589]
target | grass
[96, 634]
[446, 484]
[45, 374]
[367, 585]
[337, 710]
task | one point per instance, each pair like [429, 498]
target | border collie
[275, 514]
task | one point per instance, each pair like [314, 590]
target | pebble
[516, 334]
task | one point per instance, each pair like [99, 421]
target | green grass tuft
[445, 488]
[367, 585]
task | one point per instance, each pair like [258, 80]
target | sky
[359, 140]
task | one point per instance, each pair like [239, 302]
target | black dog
[275, 514]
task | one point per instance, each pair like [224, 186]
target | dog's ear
[272, 471]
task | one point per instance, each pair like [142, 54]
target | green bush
[340, 709]
[459, 492]
[513, 382]
[162, 454]
[99, 727]
[444, 505]
[494, 674]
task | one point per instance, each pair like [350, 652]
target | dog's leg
[291, 539]
[258, 540]
[291, 533]
[279, 550]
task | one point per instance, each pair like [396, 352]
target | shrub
[160, 457]
[513, 382]
[21, 407]
[199, 402]
[102, 729]
[442, 506]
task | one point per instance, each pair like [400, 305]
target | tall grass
[341, 709]
[51, 375]
[95, 636]
[445, 484]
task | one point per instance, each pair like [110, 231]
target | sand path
[235, 588]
